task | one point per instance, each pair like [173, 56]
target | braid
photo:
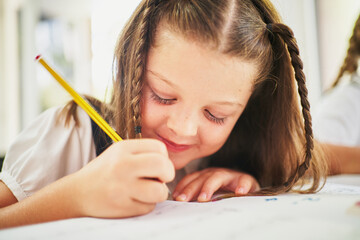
[350, 63]
[287, 35]
[139, 60]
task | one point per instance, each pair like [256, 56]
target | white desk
[329, 214]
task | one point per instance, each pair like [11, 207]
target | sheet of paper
[330, 214]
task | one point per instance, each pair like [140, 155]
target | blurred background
[77, 37]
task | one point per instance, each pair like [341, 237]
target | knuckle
[211, 183]
[170, 174]
[191, 188]
[163, 193]
[157, 192]
[190, 176]
[167, 168]
[127, 164]
[219, 174]
[158, 146]
[162, 148]
[248, 182]
[246, 178]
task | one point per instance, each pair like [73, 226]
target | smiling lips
[173, 147]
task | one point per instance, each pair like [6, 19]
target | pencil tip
[37, 57]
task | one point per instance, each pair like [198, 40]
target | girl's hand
[203, 184]
[127, 179]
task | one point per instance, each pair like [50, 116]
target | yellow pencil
[82, 102]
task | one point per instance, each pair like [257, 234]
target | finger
[255, 187]
[246, 184]
[210, 186]
[137, 146]
[184, 182]
[152, 165]
[149, 191]
[192, 189]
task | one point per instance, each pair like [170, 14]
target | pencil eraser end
[38, 57]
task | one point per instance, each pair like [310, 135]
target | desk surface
[333, 213]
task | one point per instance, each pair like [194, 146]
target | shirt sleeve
[46, 151]
[337, 119]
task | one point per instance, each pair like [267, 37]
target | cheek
[151, 114]
[213, 138]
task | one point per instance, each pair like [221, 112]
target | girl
[195, 81]
[337, 121]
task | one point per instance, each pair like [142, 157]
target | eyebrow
[159, 76]
[228, 103]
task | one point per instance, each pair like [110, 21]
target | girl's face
[192, 96]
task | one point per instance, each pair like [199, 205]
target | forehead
[199, 66]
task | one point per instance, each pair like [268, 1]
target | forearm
[342, 159]
[54, 202]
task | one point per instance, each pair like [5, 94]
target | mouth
[173, 147]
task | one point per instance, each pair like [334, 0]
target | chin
[178, 161]
[178, 165]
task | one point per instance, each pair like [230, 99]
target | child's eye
[161, 100]
[213, 118]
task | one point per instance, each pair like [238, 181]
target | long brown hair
[350, 64]
[271, 140]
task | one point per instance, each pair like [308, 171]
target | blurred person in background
[337, 119]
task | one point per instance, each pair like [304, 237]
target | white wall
[2, 83]
[19, 79]
[108, 19]
[300, 16]
[336, 20]
[28, 87]
[9, 75]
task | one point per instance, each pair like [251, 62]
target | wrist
[72, 196]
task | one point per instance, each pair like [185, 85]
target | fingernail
[181, 197]
[202, 197]
[240, 191]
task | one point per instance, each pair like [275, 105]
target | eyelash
[160, 100]
[213, 118]
[165, 101]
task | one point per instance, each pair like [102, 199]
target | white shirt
[337, 117]
[46, 151]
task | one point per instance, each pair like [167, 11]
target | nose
[183, 123]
